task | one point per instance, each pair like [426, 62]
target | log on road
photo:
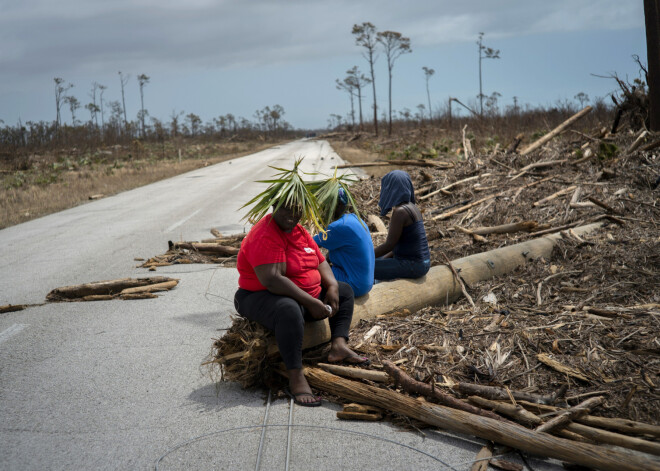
[206, 247]
[109, 287]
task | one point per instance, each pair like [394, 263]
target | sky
[213, 57]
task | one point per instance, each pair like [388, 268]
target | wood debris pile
[220, 249]
[124, 288]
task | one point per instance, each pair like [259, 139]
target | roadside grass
[39, 185]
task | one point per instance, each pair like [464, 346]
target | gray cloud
[42, 36]
[90, 40]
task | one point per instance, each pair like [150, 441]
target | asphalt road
[118, 384]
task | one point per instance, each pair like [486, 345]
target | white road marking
[236, 186]
[174, 226]
[253, 174]
[13, 330]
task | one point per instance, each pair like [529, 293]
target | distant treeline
[32, 136]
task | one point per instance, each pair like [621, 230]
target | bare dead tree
[428, 73]
[358, 80]
[74, 104]
[484, 53]
[394, 45]
[123, 79]
[102, 88]
[366, 36]
[94, 109]
[143, 80]
[60, 90]
[348, 86]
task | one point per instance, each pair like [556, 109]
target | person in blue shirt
[350, 249]
[405, 252]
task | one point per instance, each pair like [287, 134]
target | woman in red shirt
[283, 281]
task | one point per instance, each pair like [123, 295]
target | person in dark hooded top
[405, 252]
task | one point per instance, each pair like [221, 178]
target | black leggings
[286, 318]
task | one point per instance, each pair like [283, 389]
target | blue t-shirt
[351, 252]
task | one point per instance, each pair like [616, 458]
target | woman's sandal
[315, 403]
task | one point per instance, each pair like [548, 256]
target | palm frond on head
[288, 188]
[327, 192]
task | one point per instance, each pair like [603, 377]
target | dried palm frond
[286, 188]
[247, 339]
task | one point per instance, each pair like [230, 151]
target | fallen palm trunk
[439, 285]
[242, 356]
[462, 422]
[103, 288]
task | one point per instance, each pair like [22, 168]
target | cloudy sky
[213, 57]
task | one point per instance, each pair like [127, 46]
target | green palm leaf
[285, 188]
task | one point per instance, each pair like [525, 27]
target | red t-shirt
[266, 243]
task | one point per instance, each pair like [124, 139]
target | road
[118, 384]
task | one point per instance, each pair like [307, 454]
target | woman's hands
[316, 308]
[331, 287]
[273, 278]
[332, 299]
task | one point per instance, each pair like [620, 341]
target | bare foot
[339, 352]
[299, 387]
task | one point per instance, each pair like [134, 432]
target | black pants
[286, 318]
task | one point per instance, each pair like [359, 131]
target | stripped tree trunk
[439, 285]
